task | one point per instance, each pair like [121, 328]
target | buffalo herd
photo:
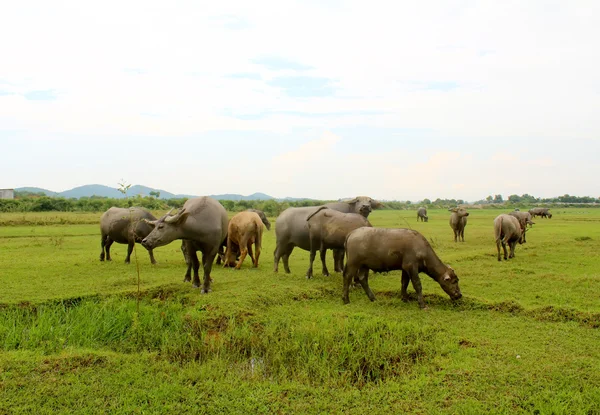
[202, 225]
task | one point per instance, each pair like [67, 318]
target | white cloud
[516, 70]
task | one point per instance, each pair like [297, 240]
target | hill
[100, 190]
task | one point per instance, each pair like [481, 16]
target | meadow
[76, 337]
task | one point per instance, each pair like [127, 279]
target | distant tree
[489, 199]
[498, 199]
[514, 198]
[426, 201]
[155, 193]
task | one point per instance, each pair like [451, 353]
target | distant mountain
[100, 190]
[253, 196]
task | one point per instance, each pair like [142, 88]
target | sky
[397, 100]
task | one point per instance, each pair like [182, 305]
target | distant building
[7, 193]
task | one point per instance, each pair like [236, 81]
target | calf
[507, 230]
[245, 229]
[381, 250]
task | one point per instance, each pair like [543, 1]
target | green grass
[523, 339]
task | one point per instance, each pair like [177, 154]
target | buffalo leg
[322, 252]
[504, 249]
[350, 272]
[338, 260]
[455, 235]
[250, 253]
[258, 250]
[108, 244]
[277, 254]
[363, 278]
[243, 253]
[498, 248]
[416, 283]
[512, 246]
[309, 272]
[207, 261]
[405, 281]
[102, 244]
[196, 266]
[129, 251]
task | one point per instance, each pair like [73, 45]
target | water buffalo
[508, 230]
[291, 228]
[201, 220]
[524, 219]
[458, 221]
[422, 214]
[542, 212]
[380, 250]
[328, 229]
[124, 226]
[245, 229]
[362, 205]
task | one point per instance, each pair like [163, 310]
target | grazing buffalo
[362, 205]
[124, 226]
[508, 230]
[458, 221]
[291, 228]
[542, 212]
[524, 219]
[328, 229]
[379, 249]
[422, 214]
[245, 229]
[201, 220]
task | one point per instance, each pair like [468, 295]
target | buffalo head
[449, 283]
[364, 205]
[166, 229]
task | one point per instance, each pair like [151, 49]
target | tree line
[41, 203]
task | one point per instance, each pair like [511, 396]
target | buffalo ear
[353, 200]
[452, 209]
[150, 222]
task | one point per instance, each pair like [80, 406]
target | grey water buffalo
[458, 221]
[381, 250]
[328, 229]
[508, 230]
[362, 205]
[542, 212]
[524, 219]
[422, 214]
[291, 228]
[201, 220]
[245, 229]
[124, 226]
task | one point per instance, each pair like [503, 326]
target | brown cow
[245, 229]
[458, 221]
[508, 230]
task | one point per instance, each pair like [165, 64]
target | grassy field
[522, 340]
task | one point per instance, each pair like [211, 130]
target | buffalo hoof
[308, 277]
[405, 299]
[127, 262]
[205, 291]
[326, 274]
[346, 300]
